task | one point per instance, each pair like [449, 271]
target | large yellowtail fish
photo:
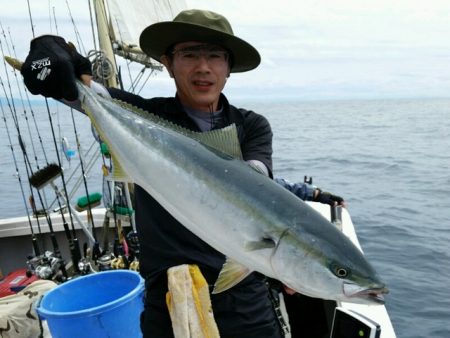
[257, 224]
[201, 179]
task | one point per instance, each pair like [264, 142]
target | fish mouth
[373, 294]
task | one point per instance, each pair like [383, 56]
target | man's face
[200, 71]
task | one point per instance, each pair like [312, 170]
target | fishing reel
[46, 266]
[102, 67]
[133, 243]
[104, 262]
[85, 267]
[109, 261]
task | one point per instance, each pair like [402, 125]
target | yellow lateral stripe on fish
[118, 173]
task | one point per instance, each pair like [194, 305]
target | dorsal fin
[224, 140]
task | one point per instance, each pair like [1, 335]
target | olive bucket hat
[202, 26]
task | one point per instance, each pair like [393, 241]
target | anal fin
[231, 274]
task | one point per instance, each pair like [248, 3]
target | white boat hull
[15, 246]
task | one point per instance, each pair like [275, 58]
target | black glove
[327, 198]
[52, 66]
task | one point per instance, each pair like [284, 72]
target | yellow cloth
[189, 303]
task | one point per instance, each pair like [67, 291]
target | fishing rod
[43, 175]
[31, 18]
[25, 112]
[125, 247]
[41, 262]
[16, 124]
[63, 139]
[39, 180]
[120, 247]
[48, 174]
[34, 240]
[59, 162]
[104, 71]
[77, 33]
[29, 106]
[20, 94]
[96, 250]
[57, 110]
[76, 185]
[75, 254]
[92, 24]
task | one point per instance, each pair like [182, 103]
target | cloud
[386, 48]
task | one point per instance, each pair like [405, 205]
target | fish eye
[339, 271]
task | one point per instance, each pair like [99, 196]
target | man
[199, 50]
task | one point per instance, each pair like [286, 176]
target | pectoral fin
[231, 274]
[265, 243]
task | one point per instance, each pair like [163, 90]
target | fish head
[322, 268]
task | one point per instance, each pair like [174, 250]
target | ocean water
[390, 160]
[36, 133]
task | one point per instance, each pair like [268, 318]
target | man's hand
[288, 290]
[52, 66]
[328, 198]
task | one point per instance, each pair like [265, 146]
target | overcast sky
[311, 49]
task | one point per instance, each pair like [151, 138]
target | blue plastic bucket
[103, 304]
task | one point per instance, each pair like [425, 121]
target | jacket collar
[231, 114]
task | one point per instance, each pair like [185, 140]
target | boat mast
[112, 81]
[104, 40]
